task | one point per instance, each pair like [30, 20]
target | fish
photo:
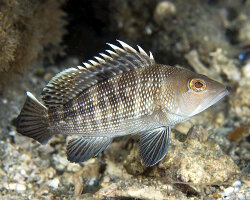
[120, 92]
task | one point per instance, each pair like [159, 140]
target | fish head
[195, 93]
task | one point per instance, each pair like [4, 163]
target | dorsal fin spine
[106, 57]
[151, 56]
[100, 60]
[142, 52]
[94, 63]
[87, 65]
[113, 54]
[116, 48]
[126, 46]
[71, 82]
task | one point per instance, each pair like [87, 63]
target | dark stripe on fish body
[69, 114]
[66, 109]
[77, 117]
[82, 112]
[94, 108]
[126, 87]
[138, 96]
[102, 106]
[53, 115]
[120, 98]
[112, 102]
[97, 96]
[83, 103]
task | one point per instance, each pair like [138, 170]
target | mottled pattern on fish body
[118, 105]
[122, 93]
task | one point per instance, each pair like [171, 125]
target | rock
[222, 64]
[163, 9]
[216, 195]
[184, 127]
[60, 161]
[54, 183]
[241, 196]
[133, 162]
[139, 189]
[228, 191]
[220, 119]
[2, 172]
[143, 193]
[74, 167]
[246, 71]
[15, 186]
[237, 184]
[201, 163]
[191, 161]
[47, 174]
[244, 33]
[240, 101]
[194, 60]
[87, 178]
[197, 133]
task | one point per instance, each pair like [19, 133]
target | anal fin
[83, 148]
[154, 145]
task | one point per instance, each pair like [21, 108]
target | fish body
[129, 101]
[119, 94]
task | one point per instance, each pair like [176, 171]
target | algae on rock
[29, 30]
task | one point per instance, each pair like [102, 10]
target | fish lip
[220, 95]
[214, 99]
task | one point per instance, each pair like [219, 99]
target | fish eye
[197, 85]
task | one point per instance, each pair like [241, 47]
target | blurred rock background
[29, 30]
[209, 155]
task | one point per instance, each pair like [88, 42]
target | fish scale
[131, 99]
[122, 93]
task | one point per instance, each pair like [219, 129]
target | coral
[29, 30]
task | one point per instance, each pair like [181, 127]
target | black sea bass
[118, 94]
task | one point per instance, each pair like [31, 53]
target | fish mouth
[218, 97]
[213, 100]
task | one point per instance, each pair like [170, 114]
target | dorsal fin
[71, 82]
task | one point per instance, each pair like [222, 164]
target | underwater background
[209, 155]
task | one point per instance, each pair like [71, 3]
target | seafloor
[209, 155]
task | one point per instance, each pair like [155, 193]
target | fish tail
[33, 121]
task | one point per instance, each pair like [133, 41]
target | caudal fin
[33, 120]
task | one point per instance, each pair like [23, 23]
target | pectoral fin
[154, 145]
[83, 148]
